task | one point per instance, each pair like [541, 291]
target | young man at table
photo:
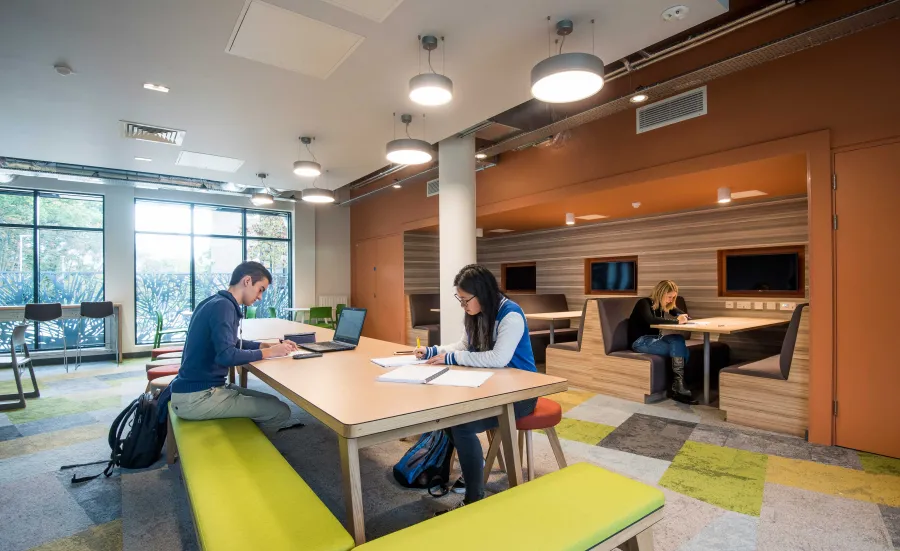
[653, 310]
[214, 344]
[496, 335]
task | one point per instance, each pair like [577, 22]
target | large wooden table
[720, 326]
[340, 390]
[554, 316]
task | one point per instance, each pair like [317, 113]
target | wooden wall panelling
[771, 404]
[421, 263]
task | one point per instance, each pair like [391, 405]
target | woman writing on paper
[659, 308]
[496, 335]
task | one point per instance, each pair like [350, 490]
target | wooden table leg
[231, 374]
[244, 373]
[352, 488]
[510, 446]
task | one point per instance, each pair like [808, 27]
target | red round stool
[162, 371]
[546, 415]
[164, 350]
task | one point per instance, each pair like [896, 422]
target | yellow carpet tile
[838, 481]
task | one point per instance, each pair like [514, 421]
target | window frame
[503, 280]
[722, 275]
[587, 276]
[243, 237]
[35, 227]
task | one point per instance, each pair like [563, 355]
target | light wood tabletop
[71, 311]
[552, 316]
[340, 390]
[721, 326]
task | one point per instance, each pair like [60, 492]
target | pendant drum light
[262, 198]
[307, 169]
[408, 150]
[317, 195]
[430, 88]
[568, 77]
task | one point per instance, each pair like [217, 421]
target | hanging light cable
[307, 169]
[408, 150]
[568, 77]
[430, 88]
[264, 197]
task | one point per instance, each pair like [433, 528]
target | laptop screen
[350, 325]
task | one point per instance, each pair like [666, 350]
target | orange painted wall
[823, 96]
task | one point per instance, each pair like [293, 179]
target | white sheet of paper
[458, 377]
[696, 323]
[397, 361]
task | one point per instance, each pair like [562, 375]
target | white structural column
[457, 225]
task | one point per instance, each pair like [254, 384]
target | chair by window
[93, 310]
[337, 312]
[251, 313]
[273, 313]
[160, 332]
[17, 362]
[51, 311]
[321, 316]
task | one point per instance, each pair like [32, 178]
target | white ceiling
[235, 107]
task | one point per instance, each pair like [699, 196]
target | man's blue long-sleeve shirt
[212, 345]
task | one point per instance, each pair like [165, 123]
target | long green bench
[244, 495]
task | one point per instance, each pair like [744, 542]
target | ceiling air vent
[432, 188]
[669, 111]
[147, 133]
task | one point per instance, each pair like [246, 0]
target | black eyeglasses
[463, 301]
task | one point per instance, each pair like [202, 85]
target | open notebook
[436, 375]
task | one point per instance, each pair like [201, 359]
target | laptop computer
[346, 336]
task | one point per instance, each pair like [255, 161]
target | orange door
[364, 296]
[867, 203]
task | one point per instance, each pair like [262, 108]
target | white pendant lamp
[317, 195]
[307, 169]
[568, 77]
[263, 198]
[430, 88]
[724, 194]
[408, 150]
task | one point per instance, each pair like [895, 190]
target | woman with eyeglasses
[496, 335]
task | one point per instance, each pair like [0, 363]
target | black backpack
[136, 437]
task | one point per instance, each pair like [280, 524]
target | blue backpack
[427, 463]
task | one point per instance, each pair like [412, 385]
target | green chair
[337, 314]
[251, 313]
[160, 333]
[321, 316]
[273, 313]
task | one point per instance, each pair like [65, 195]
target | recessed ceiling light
[499, 231]
[639, 98]
[570, 218]
[636, 204]
[675, 13]
[747, 194]
[145, 159]
[724, 194]
[156, 87]
[592, 217]
[397, 186]
[63, 69]
[480, 156]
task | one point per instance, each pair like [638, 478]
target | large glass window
[51, 250]
[185, 252]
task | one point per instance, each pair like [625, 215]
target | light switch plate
[729, 304]
[787, 306]
[758, 305]
[771, 306]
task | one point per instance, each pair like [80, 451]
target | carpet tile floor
[727, 487]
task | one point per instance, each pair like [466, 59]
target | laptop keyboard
[330, 345]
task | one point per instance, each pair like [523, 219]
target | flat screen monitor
[613, 276]
[778, 272]
[520, 278]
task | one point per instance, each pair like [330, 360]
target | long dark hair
[480, 282]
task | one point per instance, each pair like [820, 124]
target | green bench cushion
[571, 509]
[245, 495]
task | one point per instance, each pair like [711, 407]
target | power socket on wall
[744, 305]
[787, 306]
[729, 304]
[758, 305]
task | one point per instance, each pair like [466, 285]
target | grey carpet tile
[891, 516]
[731, 531]
[122, 375]
[51, 424]
[42, 511]
[155, 512]
[101, 498]
[4, 420]
[710, 434]
[9, 432]
[833, 455]
[792, 518]
[656, 437]
[49, 461]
